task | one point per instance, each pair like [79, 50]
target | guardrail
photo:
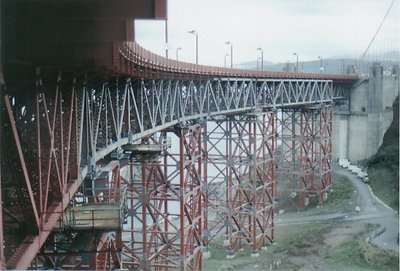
[136, 60]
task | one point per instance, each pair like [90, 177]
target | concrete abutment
[362, 118]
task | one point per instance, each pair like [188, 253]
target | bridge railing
[136, 60]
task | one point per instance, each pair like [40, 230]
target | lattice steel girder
[62, 126]
[241, 179]
[117, 111]
[305, 134]
[165, 207]
[41, 139]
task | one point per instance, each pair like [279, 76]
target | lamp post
[230, 43]
[225, 60]
[194, 32]
[177, 53]
[287, 66]
[262, 57]
[343, 71]
[297, 61]
[320, 65]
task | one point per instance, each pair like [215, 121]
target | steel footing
[240, 153]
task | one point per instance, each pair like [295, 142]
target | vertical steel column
[101, 258]
[191, 201]
[2, 259]
[2, 84]
[206, 193]
[266, 172]
[307, 155]
[143, 235]
[324, 148]
[289, 150]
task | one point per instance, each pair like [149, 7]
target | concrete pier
[361, 120]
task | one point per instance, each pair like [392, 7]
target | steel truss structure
[306, 152]
[131, 59]
[57, 128]
[165, 206]
[240, 152]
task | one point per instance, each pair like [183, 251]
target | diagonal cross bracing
[240, 152]
[164, 229]
[304, 160]
[64, 126]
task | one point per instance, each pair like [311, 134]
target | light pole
[288, 65]
[177, 53]
[225, 60]
[343, 71]
[320, 65]
[194, 32]
[262, 57]
[297, 61]
[230, 43]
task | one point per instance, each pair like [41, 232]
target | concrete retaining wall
[361, 120]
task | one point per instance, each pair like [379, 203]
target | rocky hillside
[383, 167]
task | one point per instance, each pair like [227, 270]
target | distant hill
[330, 65]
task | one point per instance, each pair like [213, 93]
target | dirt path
[330, 237]
[374, 211]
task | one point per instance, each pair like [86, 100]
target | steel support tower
[165, 205]
[305, 153]
[240, 152]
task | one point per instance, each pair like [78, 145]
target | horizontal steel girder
[101, 117]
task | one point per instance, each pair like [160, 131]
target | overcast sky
[311, 28]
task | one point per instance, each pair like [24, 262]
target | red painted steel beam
[2, 259]
[22, 161]
[54, 214]
[2, 84]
